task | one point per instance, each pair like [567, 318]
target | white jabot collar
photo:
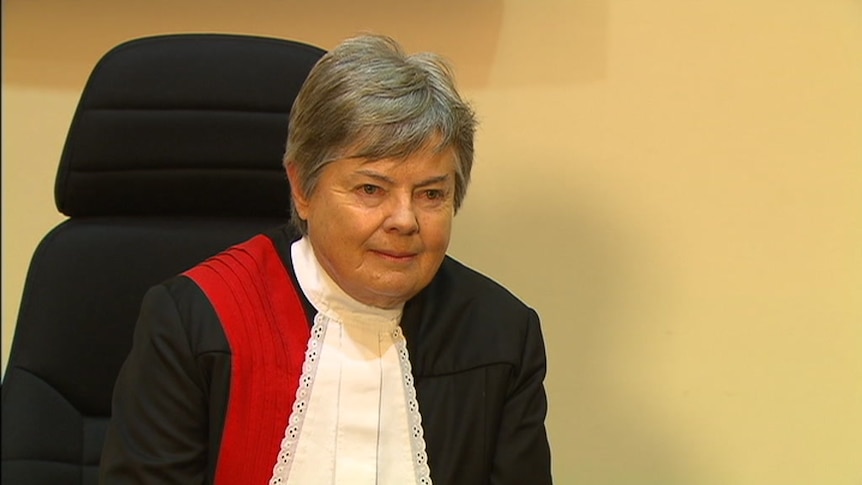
[356, 418]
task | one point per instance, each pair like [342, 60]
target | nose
[401, 218]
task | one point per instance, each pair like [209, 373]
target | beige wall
[674, 185]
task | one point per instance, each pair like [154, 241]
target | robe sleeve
[158, 428]
[522, 451]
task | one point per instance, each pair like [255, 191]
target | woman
[355, 351]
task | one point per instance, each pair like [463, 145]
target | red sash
[267, 329]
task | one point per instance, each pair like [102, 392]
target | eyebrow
[383, 178]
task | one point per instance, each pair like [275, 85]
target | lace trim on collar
[281, 470]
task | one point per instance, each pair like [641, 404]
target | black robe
[478, 361]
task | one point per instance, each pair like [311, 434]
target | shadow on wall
[55, 43]
[585, 268]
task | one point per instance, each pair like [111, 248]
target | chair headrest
[186, 124]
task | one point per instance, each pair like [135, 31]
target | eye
[434, 194]
[369, 189]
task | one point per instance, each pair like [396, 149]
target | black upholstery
[174, 154]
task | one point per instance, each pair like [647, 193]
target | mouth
[396, 256]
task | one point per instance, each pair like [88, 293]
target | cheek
[357, 225]
[437, 233]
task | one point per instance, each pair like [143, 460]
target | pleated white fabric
[355, 419]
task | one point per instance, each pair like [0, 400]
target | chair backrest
[174, 154]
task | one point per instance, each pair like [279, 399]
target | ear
[300, 201]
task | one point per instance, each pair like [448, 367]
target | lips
[395, 255]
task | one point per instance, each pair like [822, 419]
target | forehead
[435, 159]
[423, 164]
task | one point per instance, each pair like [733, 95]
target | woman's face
[381, 228]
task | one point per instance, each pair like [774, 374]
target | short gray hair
[368, 99]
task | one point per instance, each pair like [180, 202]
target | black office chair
[174, 154]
